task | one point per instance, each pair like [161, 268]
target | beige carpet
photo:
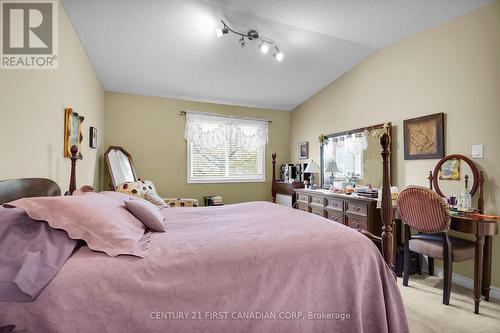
[426, 313]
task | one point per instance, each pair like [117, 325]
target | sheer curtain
[211, 131]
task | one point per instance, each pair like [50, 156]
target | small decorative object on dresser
[72, 132]
[424, 137]
[93, 137]
[303, 150]
[312, 168]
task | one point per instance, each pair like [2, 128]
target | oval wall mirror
[453, 173]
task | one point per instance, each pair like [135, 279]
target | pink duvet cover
[252, 267]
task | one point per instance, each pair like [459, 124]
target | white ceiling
[168, 48]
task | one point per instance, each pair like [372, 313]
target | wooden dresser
[353, 211]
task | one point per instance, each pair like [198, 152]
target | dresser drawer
[304, 198]
[335, 204]
[303, 207]
[357, 222]
[335, 215]
[317, 200]
[318, 211]
[358, 208]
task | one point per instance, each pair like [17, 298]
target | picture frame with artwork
[73, 125]
[424, 137]
[93, 137]
[303, 150]
[450, 169]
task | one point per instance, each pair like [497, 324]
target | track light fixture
[277, 54]
[264, 46]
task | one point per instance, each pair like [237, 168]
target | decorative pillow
[154, 198]
[84, 189]
[98, 219]
[138, 188]
[147, 213]
[121, 197]
[177, 202]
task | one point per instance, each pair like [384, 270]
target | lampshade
[332, 167]
[312, 167]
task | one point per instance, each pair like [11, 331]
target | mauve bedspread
[252, 267]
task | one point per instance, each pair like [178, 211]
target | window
[223, 149]
[349, 162]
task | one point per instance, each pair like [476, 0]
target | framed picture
[93, 137]
[424, 137]
[450, 170]
[72, 132]
[303, 150]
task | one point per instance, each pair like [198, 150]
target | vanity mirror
[453, 175]
[353, 156]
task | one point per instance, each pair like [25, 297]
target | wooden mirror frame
[388, 126]
[106, 155]
[68, 115]
[475, 173]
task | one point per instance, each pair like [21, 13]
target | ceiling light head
[253, 34]
[221, 31]
[278, 55]
[242, 42]
[264, 48]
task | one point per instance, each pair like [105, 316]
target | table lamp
[332, 168]
[312, 168]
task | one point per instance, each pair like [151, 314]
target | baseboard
[467, 282]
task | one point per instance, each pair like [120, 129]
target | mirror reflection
[121, 168]
[353, 158]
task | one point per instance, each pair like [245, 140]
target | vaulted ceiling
[168, 48]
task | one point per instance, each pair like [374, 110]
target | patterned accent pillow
[138, 188]
[154, 198]
[176, 202]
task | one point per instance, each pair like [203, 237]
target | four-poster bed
[214, 259]
[386, 239]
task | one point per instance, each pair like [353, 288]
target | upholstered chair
[426, 212]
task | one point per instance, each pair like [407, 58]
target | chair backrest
[423, 209]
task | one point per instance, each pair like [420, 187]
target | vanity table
[482, 227]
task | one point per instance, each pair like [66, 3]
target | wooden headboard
[14, 189]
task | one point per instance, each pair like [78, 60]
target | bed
[251, 267]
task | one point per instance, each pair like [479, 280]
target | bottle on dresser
[465, 198]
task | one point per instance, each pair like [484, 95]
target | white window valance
[210, 131]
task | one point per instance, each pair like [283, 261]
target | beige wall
[452, 68]
[32, 106]
[152, 131]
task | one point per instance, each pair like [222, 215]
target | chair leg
[420, 264]
[406, 272]
[447, 269]
[430, 266]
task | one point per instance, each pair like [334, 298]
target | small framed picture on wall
[303, 151]
[93, 137]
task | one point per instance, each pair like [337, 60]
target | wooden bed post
[386, 202]
[273, 186]
[72, 181]
[430, 177]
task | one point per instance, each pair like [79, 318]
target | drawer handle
[355, 224]
[335, 218]
[356, 208]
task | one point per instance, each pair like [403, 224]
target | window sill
[224, 181]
